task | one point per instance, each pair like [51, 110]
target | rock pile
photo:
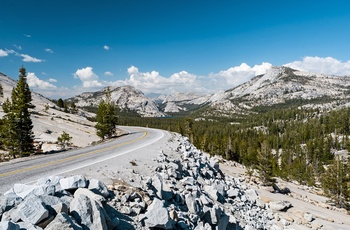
[189, 192]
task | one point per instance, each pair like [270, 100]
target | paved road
[87, 161]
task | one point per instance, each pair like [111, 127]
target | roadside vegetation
[307, 146]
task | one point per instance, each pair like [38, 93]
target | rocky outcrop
[189, 192]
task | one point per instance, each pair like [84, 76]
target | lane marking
[109, 158]
[73, 157]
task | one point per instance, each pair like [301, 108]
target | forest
[303, 145]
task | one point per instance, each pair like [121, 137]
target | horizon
[162, 47]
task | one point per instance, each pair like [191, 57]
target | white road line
[120, 154]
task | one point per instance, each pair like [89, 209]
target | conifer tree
[60, 103]
[1, 90]
[106, 117]
[17, 125]
[265, 163]
[336, 182]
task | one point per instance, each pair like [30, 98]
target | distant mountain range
[280, 86]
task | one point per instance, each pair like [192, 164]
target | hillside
[282, 86]
[127, 99]
[49, 121]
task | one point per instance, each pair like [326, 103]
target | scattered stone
[98, 187]
[32, 210]
[308, 217]
[157, 216]
[62, 221]
[73, 182]
[280, 205]
[8, 225]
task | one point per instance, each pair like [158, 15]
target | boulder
[32, 210]
[98, 187]
[192, 203]
[233, 192]
[280, 205]
[308, 217]
[73, 182]
[157, 216]
[8, 201]
[8, 225]
[88, 213]
[23, 190]
[90, 194]
[54, 204]
[28, 226]
[62, 221]
[252, 195]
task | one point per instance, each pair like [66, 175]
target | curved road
[140, 143]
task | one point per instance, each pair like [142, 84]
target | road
[99, 161]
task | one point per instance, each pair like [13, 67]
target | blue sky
[164, 46]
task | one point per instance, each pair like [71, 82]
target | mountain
[282, 86]
[181, 102]
[127, 99]
[49, 121]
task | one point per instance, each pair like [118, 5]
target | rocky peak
[127, 98]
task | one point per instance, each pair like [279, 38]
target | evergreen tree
[60, 103]
[265, 163]
[17, 125]
[64, 140]
[336, 182]
[1, 90]
[106, 117]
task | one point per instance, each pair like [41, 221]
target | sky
[168, 46]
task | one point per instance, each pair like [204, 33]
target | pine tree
[17, 125]
[60, 103]
[265, 163]
[64, 140]
[1, 90]
[106, 117]
[336, 182]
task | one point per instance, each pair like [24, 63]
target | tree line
[292, 143]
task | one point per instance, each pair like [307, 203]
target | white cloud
[105, 47]
[3, 53]
[17, 47]
[27, 35]
[88, 77]
[34, 82]
[52, 80]
[234, 76]
[27, 58]
[153, 82]
[107, 73]
[327, 65]
[49, 50]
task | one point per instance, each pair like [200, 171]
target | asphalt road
[112, 155]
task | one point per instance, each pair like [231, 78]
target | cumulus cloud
[327, 65]
[49, 50]
[27, 35]
[52, 80]
[235, 76]
[88, 77]
[153, 82]
[3, 53]
[34, 82]
[27, 58]
[107, 73]
[105, 47]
